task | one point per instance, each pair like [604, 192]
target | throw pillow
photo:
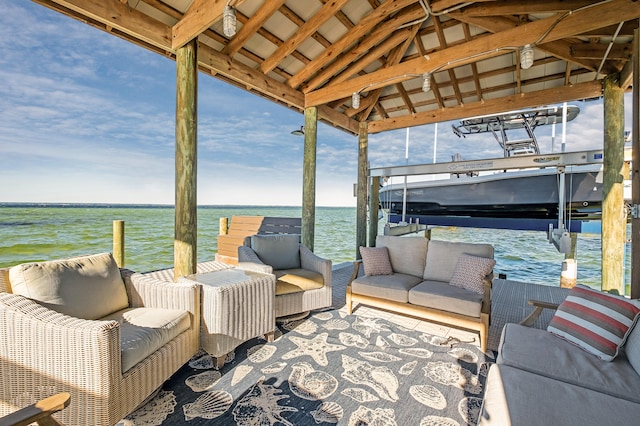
[595, 321]
[470, 271]
[376, 261]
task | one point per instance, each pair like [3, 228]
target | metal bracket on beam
[634, 211]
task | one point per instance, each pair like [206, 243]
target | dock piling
[118, 242]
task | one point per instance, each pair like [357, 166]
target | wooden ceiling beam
[375, 54]
[442, 5]
[200, 15]
[558, 48]
[443, 45]
[393, 58]
[485, 47]
[252, 26]
[114, 14]
[519, 7]
[578, 91]
[351, 37]
[599, 50]
[362, 48]
[305, 31]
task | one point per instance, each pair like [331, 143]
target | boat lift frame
[558, 236]
[561, 159]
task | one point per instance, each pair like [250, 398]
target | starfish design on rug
[317, 348]
[367, 326]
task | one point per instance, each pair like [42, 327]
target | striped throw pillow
[376, 261]
[594, 321]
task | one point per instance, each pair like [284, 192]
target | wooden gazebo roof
[304, 53]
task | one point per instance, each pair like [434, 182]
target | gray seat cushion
[520, 398]
[391, 287]
[540, 352]
[441, 295]
[145, 330]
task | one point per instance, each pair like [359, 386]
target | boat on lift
[534, 193]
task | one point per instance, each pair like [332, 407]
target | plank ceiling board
[304, 53]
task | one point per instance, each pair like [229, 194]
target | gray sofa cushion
[145, 330]
[391, 287]
[540, 352]
[87, 287]
[632, 348]
[407, 254]
[443, 257]
[517, 397]
[441, 295]
[281, 251]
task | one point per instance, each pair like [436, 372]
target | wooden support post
[223, 226]
[118, 242]
[186, 229]
[309, 177]
[374, 202]
[635, 163]
[614, 223]
[361, 194]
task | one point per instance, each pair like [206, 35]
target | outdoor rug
[330, 368]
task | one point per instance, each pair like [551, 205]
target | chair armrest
[249, 260]
[356, 270]
[49, 347]
[146, 291]
[312, 262]
[539, 307]
[39, 412]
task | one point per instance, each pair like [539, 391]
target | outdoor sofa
[107, 336]
[447, 282]
[579, 371]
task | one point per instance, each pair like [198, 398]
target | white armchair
[105, 363]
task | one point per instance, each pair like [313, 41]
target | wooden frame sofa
[427, 279]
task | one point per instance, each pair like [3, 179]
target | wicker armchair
[303, 279]
[43, 352]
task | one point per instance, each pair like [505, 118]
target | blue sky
[88, 117]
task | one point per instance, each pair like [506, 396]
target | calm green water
[38, 233]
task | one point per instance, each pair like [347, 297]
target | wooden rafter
[308, 28]
[486, 47]
[363, 27]
[586, 90]
[252, 26]
[443, 45]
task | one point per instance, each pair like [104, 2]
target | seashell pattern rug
[329, 368]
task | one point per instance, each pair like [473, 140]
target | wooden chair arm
[539, 307]
[356, 269]
[40, 412]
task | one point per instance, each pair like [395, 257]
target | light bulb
[355, 100]
[426, 82]
[229, 21]
[526, 57]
